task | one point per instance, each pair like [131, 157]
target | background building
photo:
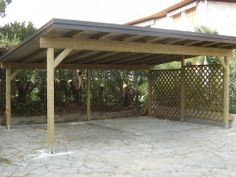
[217, 15]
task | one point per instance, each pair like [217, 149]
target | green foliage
[210, 60]
[13, 33]
[214, 60]
[5, 42]
[171, 65]
[3, 5]
[23, 87]
[204, 29]
[233, 84]
[107, 90]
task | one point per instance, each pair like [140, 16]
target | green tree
[204, 29]
[10, 35]
[3, 5]
[13, 33]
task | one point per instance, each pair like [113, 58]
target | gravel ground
[127, 147]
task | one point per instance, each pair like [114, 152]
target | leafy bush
[233, 84]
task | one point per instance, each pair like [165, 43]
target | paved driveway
[128, 147]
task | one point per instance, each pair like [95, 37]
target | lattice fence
[165, 91]
[203, 93]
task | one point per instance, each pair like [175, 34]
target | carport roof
[32, 50]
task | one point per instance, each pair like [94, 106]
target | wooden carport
[76, 44]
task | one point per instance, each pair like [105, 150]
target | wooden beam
[222, 62]
[124, 46]
[89, 57]
[23, 65]
[109, 55]
[77, 66]
[50, 99]
[88, 96]
[15, 73]
[182, 118]
[61, 57]
[106, 66]
[8, 98]
[226, 93]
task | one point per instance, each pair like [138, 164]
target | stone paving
[127, 147]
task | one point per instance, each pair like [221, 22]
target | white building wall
[219, 16]
[164, 23]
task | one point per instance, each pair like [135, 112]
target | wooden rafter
[110, 55]
[192, 43]
[118, 56]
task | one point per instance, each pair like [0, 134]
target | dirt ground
[123, 147]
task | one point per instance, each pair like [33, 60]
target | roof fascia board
[182, 9]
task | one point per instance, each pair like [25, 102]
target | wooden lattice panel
[204, 92]
[165, 93]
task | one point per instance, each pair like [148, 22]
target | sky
[109, 11]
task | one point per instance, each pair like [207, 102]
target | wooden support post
[226, 93]
[88, 96]
[8, 98]
[149, 104]
[182, 89]
[9, 77]
[50, 99]
[222, 62]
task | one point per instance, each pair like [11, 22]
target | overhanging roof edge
[30, 37]
[122, 29]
